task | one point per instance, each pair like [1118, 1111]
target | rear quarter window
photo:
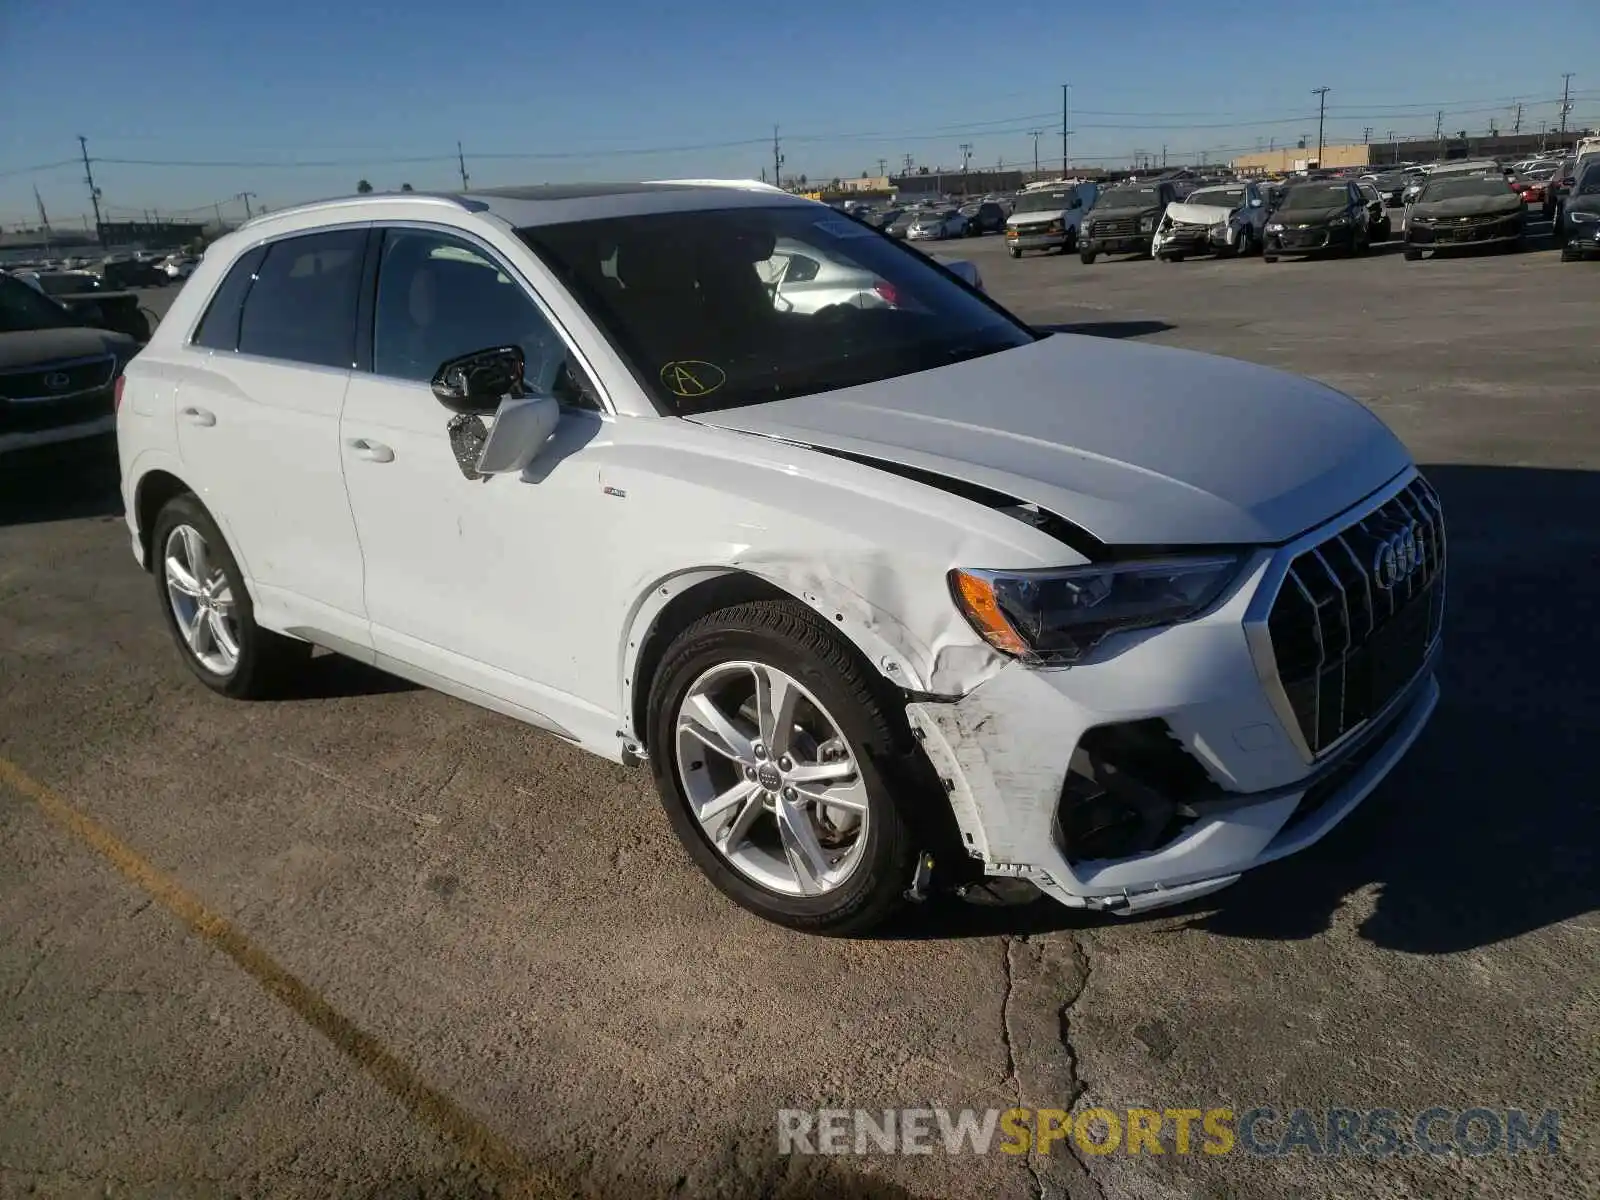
[302, 305]
[219, 327]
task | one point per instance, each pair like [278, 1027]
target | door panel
[259, 435]
[482, 581]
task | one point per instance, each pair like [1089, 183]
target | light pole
[1321, 94]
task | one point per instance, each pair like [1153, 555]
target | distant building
[956, 183]
[1301, 158]
[150, 233]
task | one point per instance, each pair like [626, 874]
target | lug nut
[750, 773]
[759, 750]
[786, 763]
[790, 794]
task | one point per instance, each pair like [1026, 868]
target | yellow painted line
[479, 1145]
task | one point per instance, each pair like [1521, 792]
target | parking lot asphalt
[372, 941]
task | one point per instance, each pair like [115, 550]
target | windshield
[682, 298]
[1315, 195]
[1590, 185]
[1130, 197]
[1218, 197]
[22, 308]
[1454, 188]
[1044, 202]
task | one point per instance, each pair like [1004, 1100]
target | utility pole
[1394, 148]
[1034, 134]
[883, 168]
[910, 162]
[1066, 129]
[461, 161]
[1543, 125]
[1516, 124]
[1163, 156]
[94, 192]
[1438, 126]
[777, 159]
[1566, 102]
[246, 197]
[1321, 94]
[1366, 136]
[966, 157]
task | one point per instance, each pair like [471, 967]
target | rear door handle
[370, 451]
[198, 416]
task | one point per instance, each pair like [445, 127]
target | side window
[219, 328]
[302, 306]
[440, 297]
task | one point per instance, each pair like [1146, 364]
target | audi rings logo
[1398, 557]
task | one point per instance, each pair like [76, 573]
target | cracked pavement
[515, 963]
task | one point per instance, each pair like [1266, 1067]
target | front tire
[1269, 258]
[1412, 254]
[783, 770]
[1086, 257]
[208, 611]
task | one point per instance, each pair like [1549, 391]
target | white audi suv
[889, 594]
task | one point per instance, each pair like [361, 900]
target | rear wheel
[1269, 258]
[782, 770]
[1412, 254]
[1086, 257]
[208, 610]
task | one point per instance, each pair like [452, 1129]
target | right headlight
[1057, 615]
[1579, 217]
[1274, 226]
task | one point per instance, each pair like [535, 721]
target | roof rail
[748, 185]
[447, 198]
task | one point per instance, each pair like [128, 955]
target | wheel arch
[675, 602]
[155, 489]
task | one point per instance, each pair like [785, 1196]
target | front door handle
[198, 416]
[370, 451]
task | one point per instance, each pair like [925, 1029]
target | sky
[186, 105]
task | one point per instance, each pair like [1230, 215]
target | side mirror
[521, 428]
[476, 382]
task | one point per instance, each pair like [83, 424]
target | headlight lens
[1338, 221]
[1583, 218]
[1083, 230]
[1220, 228]
[1057, 615]
[1146, 224]
[1274, 226]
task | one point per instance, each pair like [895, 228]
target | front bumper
[1036, 241]
[1318, 240]
[1450, 236]
[56, 434]
[1583, 237]
[1220, 749]
[1192, 239]
[1139, 243]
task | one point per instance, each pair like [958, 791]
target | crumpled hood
[1139, 445]
[1469, 206]
[1198, 214]
[37, 347]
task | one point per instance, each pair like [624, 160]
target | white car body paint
[534, 593]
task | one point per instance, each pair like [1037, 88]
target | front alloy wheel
[771, 779]
[787, 770]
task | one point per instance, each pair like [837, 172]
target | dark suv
[987, 217]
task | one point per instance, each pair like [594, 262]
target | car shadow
[1108, 329]
[330, 676]
[1490, 827]
[59, 483]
